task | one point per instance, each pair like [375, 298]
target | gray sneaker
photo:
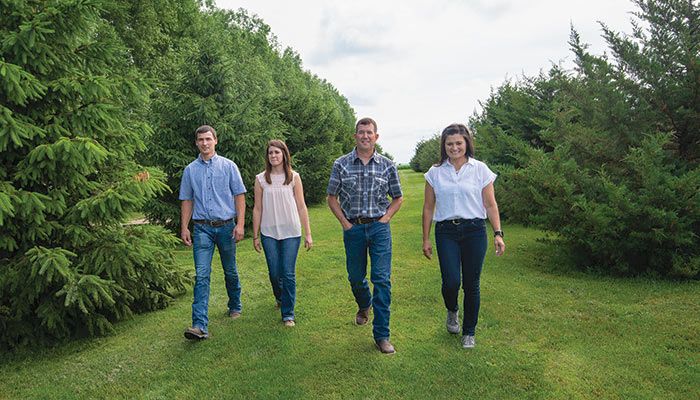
[468, 342]
[452, 322]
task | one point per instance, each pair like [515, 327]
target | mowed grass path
[543, 333]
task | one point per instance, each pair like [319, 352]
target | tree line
[606, 157]
[99, 100]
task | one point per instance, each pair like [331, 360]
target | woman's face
[455, 146]
[275, 155]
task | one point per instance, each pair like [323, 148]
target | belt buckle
[456, 222]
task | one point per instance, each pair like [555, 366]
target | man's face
[206, 144]
[366, 137]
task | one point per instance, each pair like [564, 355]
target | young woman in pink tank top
[278, 216]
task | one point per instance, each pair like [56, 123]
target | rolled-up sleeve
[394, 183]
[334, 181]
[429, 176]
[487, 176]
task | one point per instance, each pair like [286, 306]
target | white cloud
[418, 66]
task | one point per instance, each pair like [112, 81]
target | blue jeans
[204, 239]
[281, 256]
[461, 249]
[374, 237]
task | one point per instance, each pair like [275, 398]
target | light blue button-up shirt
[212, 185]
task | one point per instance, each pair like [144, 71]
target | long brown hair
[456, 129]
[286, 162]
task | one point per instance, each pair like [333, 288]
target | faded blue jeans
[374, 238]
[461, 248]
[281, 256]
[204, 239]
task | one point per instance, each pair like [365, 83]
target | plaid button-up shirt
[362, 189]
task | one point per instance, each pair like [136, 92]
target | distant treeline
[606, 157]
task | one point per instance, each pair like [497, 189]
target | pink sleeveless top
[280, 218]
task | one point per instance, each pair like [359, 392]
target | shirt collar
[199, 157]
[448, 164]
[355, 157]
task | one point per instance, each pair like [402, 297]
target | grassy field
[543, 333]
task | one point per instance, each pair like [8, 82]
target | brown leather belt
[363, 220]
[214, 223]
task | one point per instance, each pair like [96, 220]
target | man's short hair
[204, 129]
[366, 121]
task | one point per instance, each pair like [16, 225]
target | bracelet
[256, 238]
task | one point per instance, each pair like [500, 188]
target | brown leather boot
[362, 316]
[385, 346]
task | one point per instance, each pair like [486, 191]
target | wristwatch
[498, 233]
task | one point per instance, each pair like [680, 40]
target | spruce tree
[70, 127]
[614, 168]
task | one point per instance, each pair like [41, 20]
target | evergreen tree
[427, 154]
[70, 128]
[234, 78]
[222, 82]
[607, 157]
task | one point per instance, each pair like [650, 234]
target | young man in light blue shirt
[213, 196]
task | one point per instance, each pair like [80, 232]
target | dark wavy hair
[286, 162]
[456, 129]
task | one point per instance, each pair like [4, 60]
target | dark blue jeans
[281, 256]
[204, 239]
[374, 237]
[461, 248]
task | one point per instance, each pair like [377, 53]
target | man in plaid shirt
[357, 196]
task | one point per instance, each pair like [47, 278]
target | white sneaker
[452, 322]
[468, 342]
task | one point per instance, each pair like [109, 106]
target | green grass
[543, 333]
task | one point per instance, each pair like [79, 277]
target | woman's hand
[427, 249]
[500, 245]
[308, 242]
[256, 245]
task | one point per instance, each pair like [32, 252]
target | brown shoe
[195, 334]
[385, 347]
[362, 316]
[234, 314]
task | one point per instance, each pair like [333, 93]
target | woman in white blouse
[459, 195]
[278, 214]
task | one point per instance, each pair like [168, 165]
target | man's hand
[238, 232]
[186, 237]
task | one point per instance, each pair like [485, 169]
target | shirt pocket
[350, 184]
[380, 185]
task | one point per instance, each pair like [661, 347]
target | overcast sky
[417, 66]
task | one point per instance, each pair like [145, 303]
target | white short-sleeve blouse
[458, 193]
[280, 218]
